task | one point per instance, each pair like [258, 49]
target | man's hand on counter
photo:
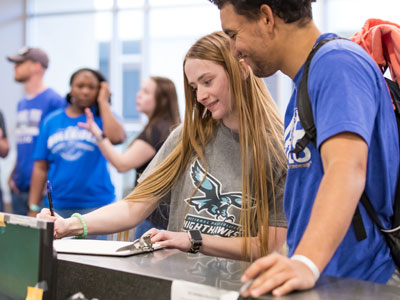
[277, 274]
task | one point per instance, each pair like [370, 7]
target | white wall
[169, 40]
[344, 16]
[70, 43]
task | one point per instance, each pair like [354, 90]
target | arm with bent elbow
[4, 147]
[112, 128]
[138, 153]
[344, 159]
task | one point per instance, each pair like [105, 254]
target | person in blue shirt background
[69, 156]
[356, 149]
[30, 65]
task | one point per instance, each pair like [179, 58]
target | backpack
[392, 236]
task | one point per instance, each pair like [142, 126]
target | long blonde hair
[262, 151]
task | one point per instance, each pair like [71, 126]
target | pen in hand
[245, 286]
[49, 197]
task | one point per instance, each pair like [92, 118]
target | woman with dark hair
[157, 99]
[69, 156]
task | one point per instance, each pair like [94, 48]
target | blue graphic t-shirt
[77, 169]
[30, 113]
[348, 94]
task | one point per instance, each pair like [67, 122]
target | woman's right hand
[90, 124]
[60, 224]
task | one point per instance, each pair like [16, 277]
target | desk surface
[149, 276]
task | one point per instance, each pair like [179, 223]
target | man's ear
[244, 69]
[267, 16]
[36, 66]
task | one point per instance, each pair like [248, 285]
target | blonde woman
[222, 171]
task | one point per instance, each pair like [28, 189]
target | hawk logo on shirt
[213, 201]
[294, 132]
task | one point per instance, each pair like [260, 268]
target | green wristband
[35, 207]
[80, 217]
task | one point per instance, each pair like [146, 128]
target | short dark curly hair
[288, 10]
[100, 77]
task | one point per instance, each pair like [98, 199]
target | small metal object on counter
[144, 244]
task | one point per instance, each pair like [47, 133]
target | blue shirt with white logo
[348, 94]
[77, 169]
[30, 114]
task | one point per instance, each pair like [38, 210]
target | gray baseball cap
[33, 54]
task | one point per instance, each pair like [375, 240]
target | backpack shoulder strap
[395, 94]
[304, 103]
[310, 131]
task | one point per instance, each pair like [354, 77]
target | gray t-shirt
[215, 208]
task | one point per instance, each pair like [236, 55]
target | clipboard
[106, 248]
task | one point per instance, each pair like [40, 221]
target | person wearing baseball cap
[30, 65]
[32, 54]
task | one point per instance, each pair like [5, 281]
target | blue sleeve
[342, 87]
[41, 152]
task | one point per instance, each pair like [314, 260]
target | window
[128, 41]
[131, 85]
[123, 4]
[72, 42]
[131, 60]
[62, 6]
[356, 12]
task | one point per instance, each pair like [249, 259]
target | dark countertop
[149, 276]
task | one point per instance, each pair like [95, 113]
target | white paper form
[96, 247]
[183, 290]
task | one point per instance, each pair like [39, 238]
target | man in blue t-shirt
[30, 66]
[357, 147]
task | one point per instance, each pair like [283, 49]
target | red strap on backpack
[381, 39]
